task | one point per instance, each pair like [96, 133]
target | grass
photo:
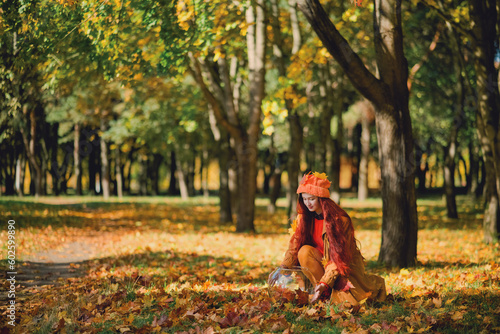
[167, 265]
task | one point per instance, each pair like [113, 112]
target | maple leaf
[302, 298]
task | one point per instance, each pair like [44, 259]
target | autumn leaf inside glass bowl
[290, 285]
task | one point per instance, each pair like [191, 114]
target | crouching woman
[324, 243]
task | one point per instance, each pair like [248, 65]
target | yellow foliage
[320, 176]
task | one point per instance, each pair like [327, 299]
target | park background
[144, 134]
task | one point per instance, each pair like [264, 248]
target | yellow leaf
[404, 272]
[320, 176]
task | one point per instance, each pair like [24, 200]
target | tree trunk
[225, 198]
[172, 185]
[275, 183]
[224, 153]
[296, 131]
[57, 172]
[295, 148]
[191, 168]
[118, 173]
[483, 16]
[222, 99]
[105, 177]
[337, 144]
[20, 170]
[473, 176]
[205, 163]
[363, 161]
[389, 95]
[420, 170]
[143, 174]
[77, 161]
[154, 175]
[92, 172]
[182, 178]
[29, 144]
[449, 179]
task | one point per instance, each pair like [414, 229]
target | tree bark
[118, 172]
[29, 144]
[449, 178]
[182, 177]
[93, 154]
[105, 177]
[389, 95]
[77, 161]
[296, 131]
[20, 170]
[224, 153]
[483, 16]
[154, 174]
[337, 144]
[295, 149]
[473, 175]
[143, 173]
[222, 100]
[172, 186]
[363, 162]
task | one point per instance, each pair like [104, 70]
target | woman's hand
[318, 292]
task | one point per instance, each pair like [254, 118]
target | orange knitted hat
[315, 184]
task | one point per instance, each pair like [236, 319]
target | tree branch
[195, 71]
[449, 20]
[418, 65]
[364, 81]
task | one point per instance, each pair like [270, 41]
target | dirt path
[53, 266]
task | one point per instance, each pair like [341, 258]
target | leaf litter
[177, 270]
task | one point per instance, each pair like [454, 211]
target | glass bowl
[290, 279]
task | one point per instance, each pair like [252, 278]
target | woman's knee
[306, 252]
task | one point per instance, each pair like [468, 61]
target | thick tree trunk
[483, 16]
[246, 153]
[246, 143]
[389, 95]
[77, 161]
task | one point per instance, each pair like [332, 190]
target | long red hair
[341, 239]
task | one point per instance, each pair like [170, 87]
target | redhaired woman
[323, 242]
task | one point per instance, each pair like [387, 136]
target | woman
[323, 242]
